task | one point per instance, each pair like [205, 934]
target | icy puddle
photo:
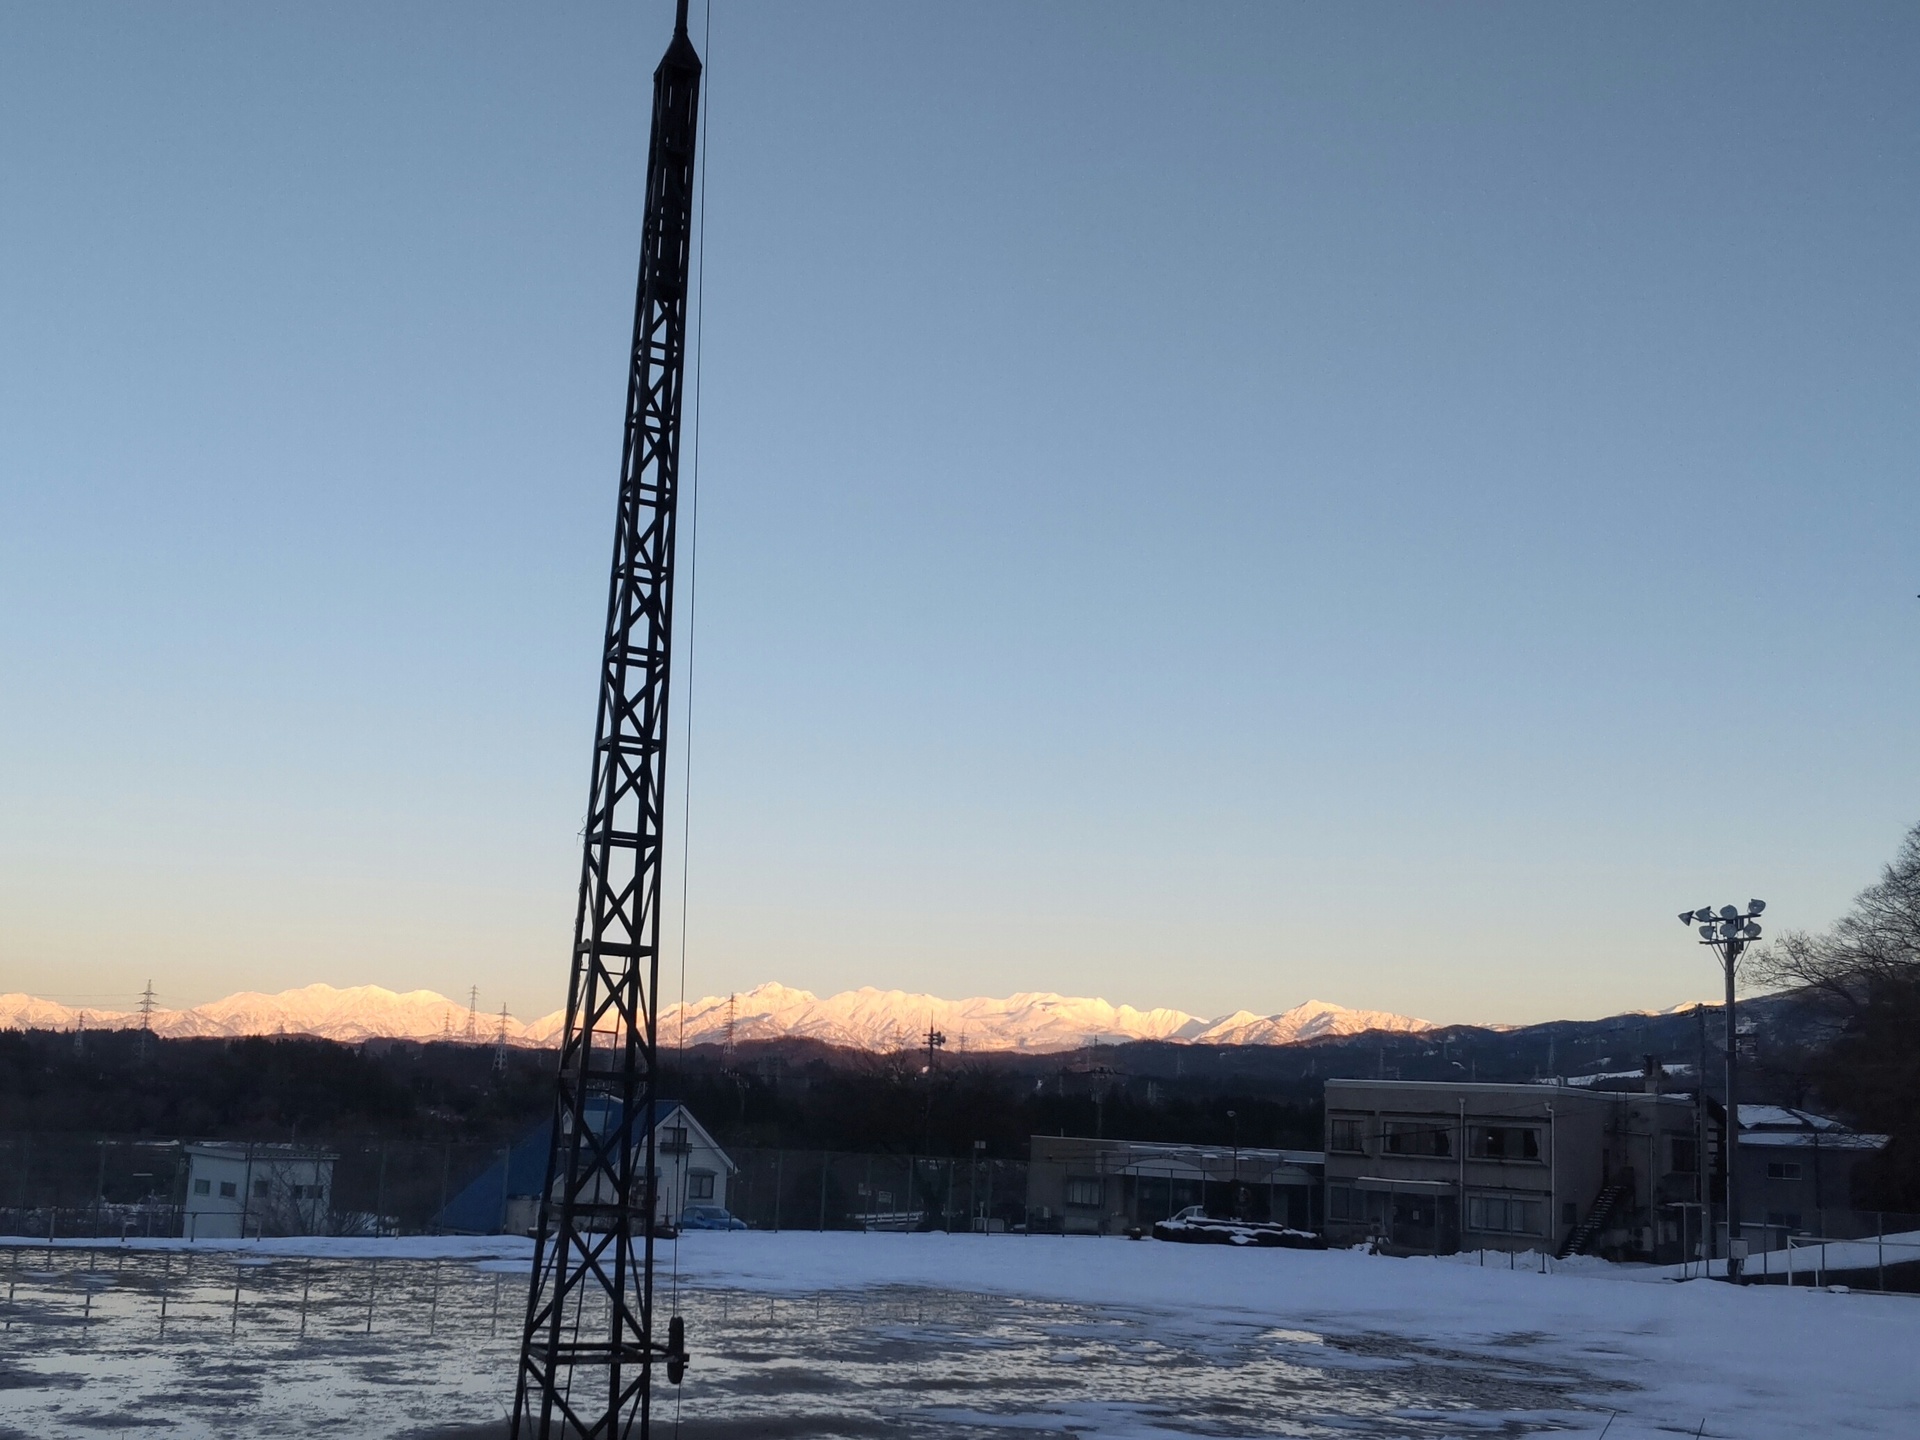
[120, 1343]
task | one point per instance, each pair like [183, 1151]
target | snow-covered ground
[973, 1335]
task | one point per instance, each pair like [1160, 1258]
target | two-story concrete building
[1079, 1186]
[1443, 1166]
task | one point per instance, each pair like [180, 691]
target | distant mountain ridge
[864, 1019]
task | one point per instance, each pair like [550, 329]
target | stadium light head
[1686, 917]
[1757, 907]
[1706, 932]
[1727, 912]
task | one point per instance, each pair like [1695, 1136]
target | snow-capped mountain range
[865, 1019]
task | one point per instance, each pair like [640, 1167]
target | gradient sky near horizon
[1202, 505]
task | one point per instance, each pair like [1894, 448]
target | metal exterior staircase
[1605, 1206]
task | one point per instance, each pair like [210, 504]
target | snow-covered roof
[1780, 1117]
[1811, 1140]
[1605, 1075]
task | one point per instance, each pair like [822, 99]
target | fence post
[1880, 1248]
[824, 1162]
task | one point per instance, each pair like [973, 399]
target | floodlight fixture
[1729, 912]
[1756, 907]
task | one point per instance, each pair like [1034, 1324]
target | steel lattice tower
[590, 1343]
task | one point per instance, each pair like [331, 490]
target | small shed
[505, 1197]
[235, 1189]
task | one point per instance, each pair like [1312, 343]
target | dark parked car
[709, 1217]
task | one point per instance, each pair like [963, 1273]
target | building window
[1683, 1155]
[259, 1189]
[228, 1189]
[203, 1187]
[674, 1139]
[1504, 1142]
[1783, 1170]
[1347, 1136]
[1503, 1215]
[1084, 1191]
[700, 1184]
[1419, 1137]
[1784, 1219]
[1345, 1203]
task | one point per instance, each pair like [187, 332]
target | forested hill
[803, 1093]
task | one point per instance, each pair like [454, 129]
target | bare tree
[1874, 945]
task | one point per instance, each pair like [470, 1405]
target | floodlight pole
[1727, 932]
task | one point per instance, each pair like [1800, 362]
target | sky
[1204, 505]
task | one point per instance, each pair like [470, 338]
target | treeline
[1859, 1055]
[264, 1088]
[779, 1095]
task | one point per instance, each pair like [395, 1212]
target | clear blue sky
[1204, 505]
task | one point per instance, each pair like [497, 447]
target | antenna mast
[590, 1343]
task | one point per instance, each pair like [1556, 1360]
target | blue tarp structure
[481, 1208]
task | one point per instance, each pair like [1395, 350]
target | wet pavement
[103, 1343]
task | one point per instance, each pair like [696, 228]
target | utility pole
[591, 1340]
[1233, 1196]
[473, 1016]
[1703, 1182]
[934, 1041]
[1727, 932]
[500, 1044]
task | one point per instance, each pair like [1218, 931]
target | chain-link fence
[94, 1186]
[78, 1185]
[834, 1190]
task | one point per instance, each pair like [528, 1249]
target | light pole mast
[1727, 932]
[592, 1339]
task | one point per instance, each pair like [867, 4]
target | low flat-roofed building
[1441, 1166]
[1081, 1186]
[236, 1189]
